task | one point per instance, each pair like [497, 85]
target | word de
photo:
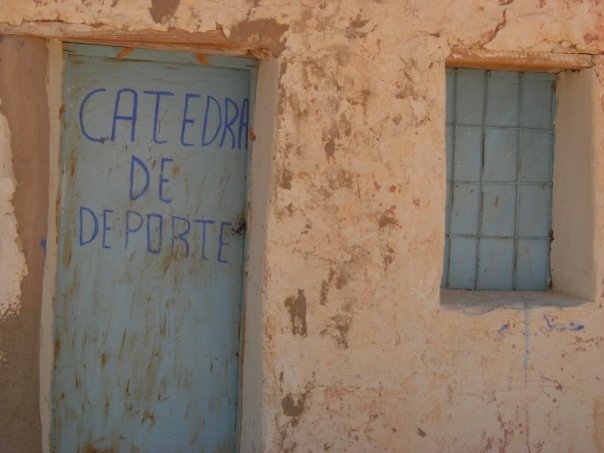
[139, 186]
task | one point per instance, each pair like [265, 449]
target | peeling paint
[124, 52]
[163, 10]
[12, 260]
[293, 407]
[270, 32]
[296, 305]
[338, 328]
[388, 218]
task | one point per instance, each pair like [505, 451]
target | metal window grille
[500, 138]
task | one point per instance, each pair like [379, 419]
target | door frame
[259, 184]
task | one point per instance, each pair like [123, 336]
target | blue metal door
[150, 258]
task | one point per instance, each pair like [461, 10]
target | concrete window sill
[477, 302]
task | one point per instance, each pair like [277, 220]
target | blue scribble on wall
[561, 327]
[504, 328]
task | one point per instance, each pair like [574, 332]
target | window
[500, 143]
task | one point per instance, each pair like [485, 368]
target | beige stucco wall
[348, 347]
[23, 213]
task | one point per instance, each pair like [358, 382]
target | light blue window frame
[500, 141]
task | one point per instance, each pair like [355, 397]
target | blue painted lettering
[145, 232]
[244, 124]
[106, 227]
[158, 230]
[185, 119]
[229, 121]
[129, 227]
[218, 120]
[203, 223]
[181, 233]
[135, 192]
[221, 242]
[92, 226]
[223, 122]
[158, 95]
[81, 115]
[131, 117]
[162, 195]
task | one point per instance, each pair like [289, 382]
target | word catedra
[196, 120]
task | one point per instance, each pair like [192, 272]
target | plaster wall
[24, 202]
[574, 215]
[13, 261]
[348, 347]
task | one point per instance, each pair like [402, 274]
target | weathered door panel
[151, 251]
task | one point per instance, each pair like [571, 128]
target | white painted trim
[574, 216]
[252, 421]
[54, 92]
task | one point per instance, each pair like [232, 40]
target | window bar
[552, 148]
[482, 159]
[519, 130]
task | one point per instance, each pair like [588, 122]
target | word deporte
[155, 233]
[190, 119]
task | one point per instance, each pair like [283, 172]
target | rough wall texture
[358, 355]
[14, 267]
[23, 93]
